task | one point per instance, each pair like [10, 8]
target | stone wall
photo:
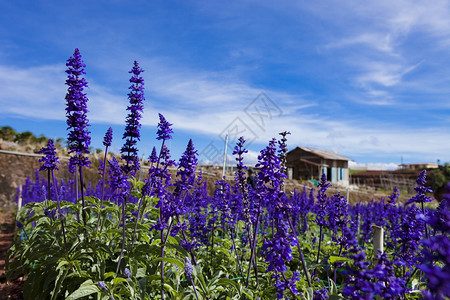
[14, 169]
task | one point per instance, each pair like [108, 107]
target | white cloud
[385, 74]
[378, 41]
[33, 92]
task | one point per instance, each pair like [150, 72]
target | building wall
[337, 170]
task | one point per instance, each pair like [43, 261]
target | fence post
[378, 240]
[19, 200]
[378, 247]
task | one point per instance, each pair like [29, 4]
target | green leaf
[59, 280]
[85, 289]
[118, 280]
[178, 248]
[174, 261]
[333, 259]
[226, 281]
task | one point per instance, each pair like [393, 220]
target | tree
[7, 133]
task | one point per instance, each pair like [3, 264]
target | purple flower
[188, 269]
[321, 294]
[76, 110]
[153, 157]
[19, 225]
[186, 169]
[108, 137]
[118, 181]
[394, 197]
[283, 149]
[269, 165]
[164, 130]
[50, 159]
[436, 256]
[364, 283]
[282, 283]
[132, 135]
[127, 272]
[322, 200]
[421, 190]
[278, 249]
[103, 285]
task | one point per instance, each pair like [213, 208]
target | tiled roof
[326, 154]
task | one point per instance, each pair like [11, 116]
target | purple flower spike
[132, 135]
[164, 130]
[188, 269]
[108, 137]
[321, 294]
[393, 198]
[76, 110]
[127, 272]
[153, 157]
[186, 167]
[421, 190]
[103, 285]
[50, 159]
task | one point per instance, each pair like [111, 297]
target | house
[305, 164]
[422, 166]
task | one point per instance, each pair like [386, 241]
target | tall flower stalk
[282, 153]
[132, 129]
[107, 143]
[164, 133]
[76, 112]
[131, 136]
[50, 161]
[322, 201]
[421, 197]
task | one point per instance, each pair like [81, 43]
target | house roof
[326, 154]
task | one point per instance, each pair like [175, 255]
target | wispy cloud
[32, 91]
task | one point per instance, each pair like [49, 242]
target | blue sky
[367, 79]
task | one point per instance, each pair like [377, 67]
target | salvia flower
[321, 294]
[164, 131]
[108, 137]
[188, 269]
[186, 167]
[19, 225]
[50, 159]
[239, 150]
[102, 285]
[394, 197]
[76, 110]
[436, 256]
[270, 166]
[132, 134]
[322, 200]
[283, 149]
[118, 181]
[283, 284]
[127, 272]
[421, 190]
[153, 158]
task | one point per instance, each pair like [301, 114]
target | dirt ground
[11, 290]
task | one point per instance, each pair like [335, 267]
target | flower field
[166, 238]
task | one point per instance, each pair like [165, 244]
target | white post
[19, 200]
[225, 157]
[378, 240]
